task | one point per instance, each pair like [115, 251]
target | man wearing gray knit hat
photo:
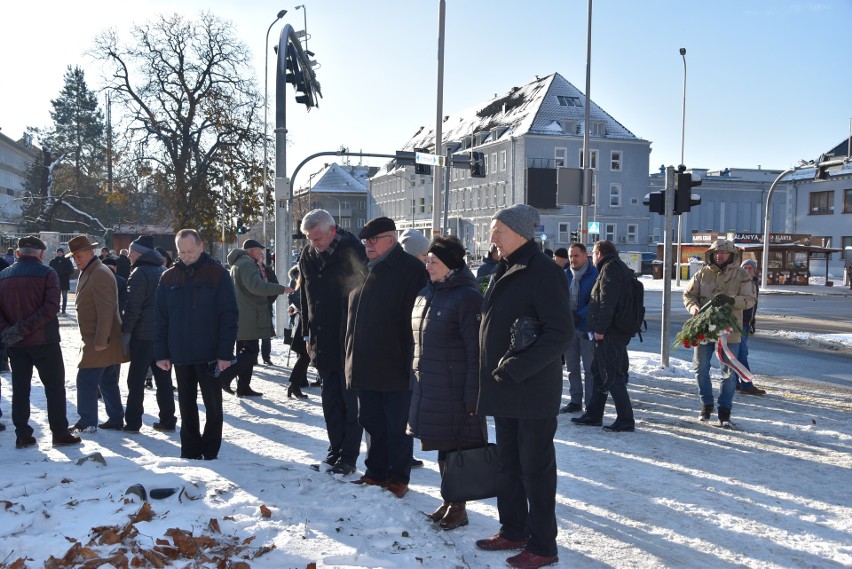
[522, 388]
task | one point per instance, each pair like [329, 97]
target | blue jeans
[88, 382]
[742, 357]
[701, 356]
[580, 348]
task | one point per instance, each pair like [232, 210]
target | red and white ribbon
[733, 362]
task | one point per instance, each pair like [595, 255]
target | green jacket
[252, 296]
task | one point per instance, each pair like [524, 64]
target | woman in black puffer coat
[445, 382]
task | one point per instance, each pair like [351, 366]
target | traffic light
[242, 229]
[477, 165]
[422, 169]
[300, 73]
[656, 202]
[575, 236]
[684, 182]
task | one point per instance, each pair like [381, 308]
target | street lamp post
[682, 217]
[266, 125]
[305, 14]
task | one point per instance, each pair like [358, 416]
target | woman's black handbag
[470, 474]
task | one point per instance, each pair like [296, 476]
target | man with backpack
[613, 312]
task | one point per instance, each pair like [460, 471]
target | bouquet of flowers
[715, 319]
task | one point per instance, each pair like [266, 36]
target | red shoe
[528, 560]
[499, 543]
[368, 481]
[398, 489]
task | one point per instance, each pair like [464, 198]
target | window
[568, 101]
[345, 222]
[615, 160]
[821, 203]
[502, 160]
[845, 241]
[632, 233]
[560, 156]
[598, 128]
[361, 222]
[847, 201]
[615, 195]
[485, 160]
[609, 232]
[593, 154]
[422, 205]
[346, 205]
[564, 232]
[494, 161]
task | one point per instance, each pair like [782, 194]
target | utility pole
[587, 170]
[436, 172]
[665, 344]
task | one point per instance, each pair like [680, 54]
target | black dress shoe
[619, 428]
[268, 362]
[585, 419]
[294, 391]
[248, 392]
[226, 387]
[571, 408]
[110, 426]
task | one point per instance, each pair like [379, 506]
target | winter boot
[725, 418]
[439, 513]
[456, 516]
[706, 410]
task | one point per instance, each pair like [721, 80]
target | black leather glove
[721, 299]
[11, 335]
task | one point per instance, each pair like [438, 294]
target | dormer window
[565, 101]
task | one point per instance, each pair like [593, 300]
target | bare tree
[192, 111]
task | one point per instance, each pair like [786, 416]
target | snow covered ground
[676, 493]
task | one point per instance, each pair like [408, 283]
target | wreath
[714, 320]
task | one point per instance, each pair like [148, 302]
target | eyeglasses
[374, 240]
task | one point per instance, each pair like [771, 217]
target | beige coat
[732, 281]
[98, 317]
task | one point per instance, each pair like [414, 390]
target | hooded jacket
[713, 280]
[140, 308]
[253, 294]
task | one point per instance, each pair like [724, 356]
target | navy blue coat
[138, 318]
[587, 281]
[445, 369]
[196, 313]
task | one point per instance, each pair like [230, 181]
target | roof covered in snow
[334, 178]
[547, 106]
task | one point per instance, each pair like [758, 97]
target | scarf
[575, 284]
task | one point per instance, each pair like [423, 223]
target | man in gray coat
[522, 389]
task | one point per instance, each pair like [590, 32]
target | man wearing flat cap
[522, 389]
[379, 348]
[253, 290]
[29, 303]
[138, 332]
[100, 328]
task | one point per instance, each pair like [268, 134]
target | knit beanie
[142, 244]
[413, 242]
[449, 250]
[521, 218]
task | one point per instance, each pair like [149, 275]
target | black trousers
[247, 352]
[384, 415]
[265, 348]
[609, 371]
[47, 359]
[340, 410]
[526, 482]
[194, 443]
[142, 359]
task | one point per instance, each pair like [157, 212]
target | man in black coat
[63, 268]
[379, 349]
[522, 390]
[331, 266]
[610, 362]
[137, 338]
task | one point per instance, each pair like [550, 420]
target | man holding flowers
[721, 281]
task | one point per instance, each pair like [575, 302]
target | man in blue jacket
[29, 303]
[196, 328]
[581, 278]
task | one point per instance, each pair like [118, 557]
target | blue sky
[766, 82]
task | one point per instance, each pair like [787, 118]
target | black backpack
[631, 310]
